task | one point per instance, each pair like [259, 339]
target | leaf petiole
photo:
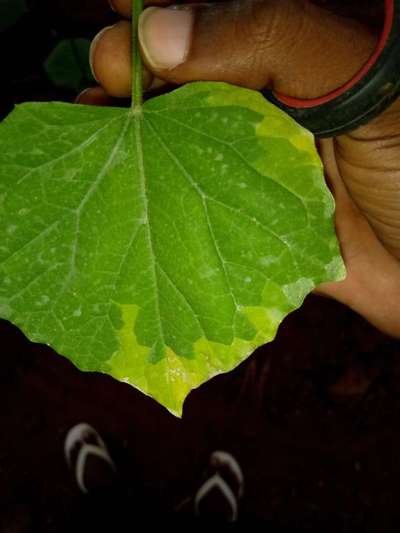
[137, 89]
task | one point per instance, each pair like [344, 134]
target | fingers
[368, 160]
[372, 285]
[95, 96]
[123, 7]
[110, 59]
[292, 45]
[350, 224]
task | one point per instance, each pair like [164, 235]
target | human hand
[301, 50]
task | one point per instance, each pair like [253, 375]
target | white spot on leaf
[12, 228]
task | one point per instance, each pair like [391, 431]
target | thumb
[292, 46]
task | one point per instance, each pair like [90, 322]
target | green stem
[137, 89]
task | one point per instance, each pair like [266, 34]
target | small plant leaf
[10, 12]
[68, 65]
[163, 244]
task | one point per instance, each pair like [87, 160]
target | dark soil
[313, 418]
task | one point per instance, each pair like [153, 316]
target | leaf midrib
[137, 119]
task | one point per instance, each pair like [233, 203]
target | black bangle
[362, 98]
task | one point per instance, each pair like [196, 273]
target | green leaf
[10, 12]
[68, 64]
[163, 244]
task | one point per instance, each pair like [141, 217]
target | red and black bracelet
[373, 88]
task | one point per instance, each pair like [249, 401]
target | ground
[313, 419]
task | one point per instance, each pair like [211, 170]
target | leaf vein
[142, 176]
[184, 297]
[92, 189]
[206, 212]
[241, 157]
[78, 148]
[42, 233]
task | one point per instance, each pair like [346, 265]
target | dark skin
[259, 43]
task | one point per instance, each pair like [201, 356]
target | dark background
[313, 418]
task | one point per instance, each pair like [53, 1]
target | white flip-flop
[82, 442]
[226, 477]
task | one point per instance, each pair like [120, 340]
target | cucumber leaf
[68, 64]
[162, 244]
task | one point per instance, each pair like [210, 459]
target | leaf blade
[190, 228]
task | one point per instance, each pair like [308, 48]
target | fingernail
[165, 36]
[92, 49]
[112, 5]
